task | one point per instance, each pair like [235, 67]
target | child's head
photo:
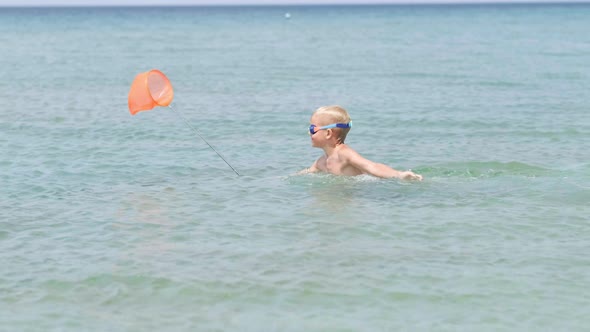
[327, 115]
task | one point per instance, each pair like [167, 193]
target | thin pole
[196, 131]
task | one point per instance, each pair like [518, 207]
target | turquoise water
[110, 222]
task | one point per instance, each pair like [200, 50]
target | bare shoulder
[348, 153]
[321, 159]
[344, 149]
[320, 164]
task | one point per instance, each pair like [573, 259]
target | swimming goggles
[314, 129]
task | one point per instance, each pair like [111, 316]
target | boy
[328, 129]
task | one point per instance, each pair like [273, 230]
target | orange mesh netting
[148, 90]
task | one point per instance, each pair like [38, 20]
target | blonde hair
[337, 114]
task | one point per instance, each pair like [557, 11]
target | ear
[328, 133]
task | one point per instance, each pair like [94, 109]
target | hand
[409, 175]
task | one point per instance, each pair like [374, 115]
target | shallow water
[113, 222]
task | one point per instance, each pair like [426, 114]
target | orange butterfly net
[149, 89]
[153, 88]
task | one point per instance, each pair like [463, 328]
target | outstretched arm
[379, 170]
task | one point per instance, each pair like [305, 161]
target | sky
[243, 2]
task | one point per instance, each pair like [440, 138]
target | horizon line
[316, 4]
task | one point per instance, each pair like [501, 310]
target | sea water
[113, 222]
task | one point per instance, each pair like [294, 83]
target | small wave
[326, 178]
[500, 84]
[489, 169]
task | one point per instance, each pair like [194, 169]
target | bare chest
[335, 165]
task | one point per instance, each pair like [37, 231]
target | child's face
[319, 139]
